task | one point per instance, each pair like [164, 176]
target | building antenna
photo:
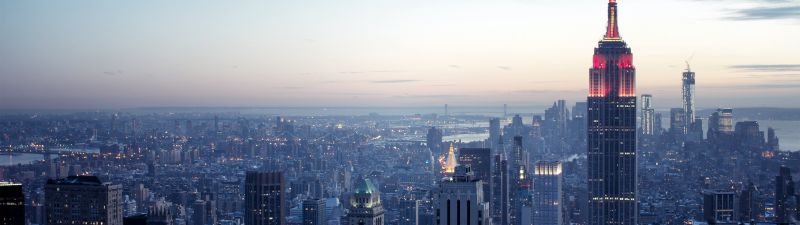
[688, 60]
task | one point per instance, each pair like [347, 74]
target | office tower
[365, 205]
[265, 201]
[446, 113]
[718, 207]
[748, 203]
[657, 127]
[199, 215]
[494, 134]
[459, 200]
[450, 163]
[556, 116]
[611, 140]
[409, 211]
[749, 137]
[517, 179]
[648, 115]
[434, 140]
[695, 131]
[688, 98]
[547, 192]
[82, 200]
[160, 213]
[12, 204]
[785, 197]
[720, 126]
[314, 212]
[579, 110]
[480, 160]
[773, 143]
[500, 190]
[677, 125]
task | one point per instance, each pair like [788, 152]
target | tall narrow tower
[688, 99]
[611, 149]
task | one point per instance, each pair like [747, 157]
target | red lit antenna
[612, 31]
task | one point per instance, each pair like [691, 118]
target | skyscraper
[450, 163]
[12, 204]
[82, 200]
[500, 206]
[611, 150]
[365, 205]
[785, 197]
[265, 201]
[409, 211]
[480, 160]
[314, 212]
[434, 140]
[494, 135]
[547, 193]
[718, 207]
[688, 99]
[459, 200]
[720, 126]
[677, 125]
[648, 115]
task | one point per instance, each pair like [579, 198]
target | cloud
[767, 67]
[773, 86]
[503, 67]
[393, 81]
[542, 91]
[767, 13]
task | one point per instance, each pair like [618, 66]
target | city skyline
[354, 53]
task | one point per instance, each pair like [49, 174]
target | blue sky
[108, 54]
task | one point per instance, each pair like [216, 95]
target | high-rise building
[677, 125]
[718, 207]
[82, 200]
[748, 203]
[314, 212]
[749, 137]
[160, 213]
[688, 99]
[480, 160]
[547, 193]
[773, 143]
[611, 140]
[494, 134]
[720, 126]
[500, 205]
[409, 211]
[657, 125]
[12, 204]
[459, 200]
[265, 201]
[648, 115]
[518, 182]
[786, 199]
[434, 140]
[365, 205]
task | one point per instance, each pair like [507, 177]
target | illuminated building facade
[547, 193]
[82, 200]
[611, 150]
[450, 163]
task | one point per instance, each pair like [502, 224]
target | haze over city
[119, 54]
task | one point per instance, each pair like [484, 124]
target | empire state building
[611, 152]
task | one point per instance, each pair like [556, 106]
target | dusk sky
[112, 54]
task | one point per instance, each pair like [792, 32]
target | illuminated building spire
[612, 29]
[450, 164]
